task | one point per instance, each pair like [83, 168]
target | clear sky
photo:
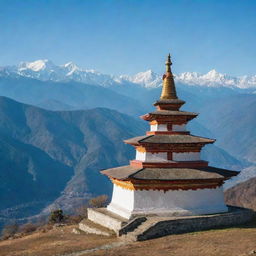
[125, 36]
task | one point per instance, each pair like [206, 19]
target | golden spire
[168, 90]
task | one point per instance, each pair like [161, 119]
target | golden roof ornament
[168, 90]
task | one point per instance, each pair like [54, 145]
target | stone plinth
[106, 218]
[148, 227]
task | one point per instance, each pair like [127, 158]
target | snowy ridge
[149, 79]
[47, 70]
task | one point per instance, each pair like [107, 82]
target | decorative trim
[169, 155]
[153, 151]
[169, 127]
[175, 119]
[167, 185]
[170, 150]
[153, 122]
[141, 149]
[167, 132]
[169, 164]
[165, 106]
[177, 148]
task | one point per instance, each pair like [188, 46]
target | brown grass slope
[61, 241]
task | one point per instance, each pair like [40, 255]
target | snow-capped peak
[213, 73]
[71, 66]
[36, 66]
[213, 78]
[47, 70]
[148, 79]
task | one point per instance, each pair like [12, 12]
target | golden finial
[168, 90]
[168, 63]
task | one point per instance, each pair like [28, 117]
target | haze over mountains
[82, 120]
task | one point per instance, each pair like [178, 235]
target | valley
[57, 135]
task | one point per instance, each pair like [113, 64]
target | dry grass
[58, 240]
[238, 241]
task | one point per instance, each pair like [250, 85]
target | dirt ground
[61, 241]
[54, 242]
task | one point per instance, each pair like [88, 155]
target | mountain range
[45, 155]
[51, 159]
[61, 124]
[47, 70]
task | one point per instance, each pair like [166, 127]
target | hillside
[232, 121]
[44, 153]
[66, 95]
[243, 194]
[54, 157]
[133, 99]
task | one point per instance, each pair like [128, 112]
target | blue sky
[125, 37]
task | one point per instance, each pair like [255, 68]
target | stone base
[106, 218]
[90, 227]
[168, 226]
[148, 227]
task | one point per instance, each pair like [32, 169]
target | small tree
[56, 216]
[99, 201]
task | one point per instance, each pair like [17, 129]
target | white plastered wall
[186, 156]
[158, 127]
[151, 157]
[128, 203]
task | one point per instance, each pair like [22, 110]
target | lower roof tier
[168, 139]
[200, 173]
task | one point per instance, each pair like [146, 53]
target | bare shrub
[99, 201]
[9, 230]
[74, 219]
[28, 228]
[45, 228]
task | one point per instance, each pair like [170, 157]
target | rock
[76, 231]
[58, 225]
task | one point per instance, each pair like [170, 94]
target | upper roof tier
[169, 115]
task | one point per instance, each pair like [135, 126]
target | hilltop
[243, 194]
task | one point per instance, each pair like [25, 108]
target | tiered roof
[200, 173]
[189, 172]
